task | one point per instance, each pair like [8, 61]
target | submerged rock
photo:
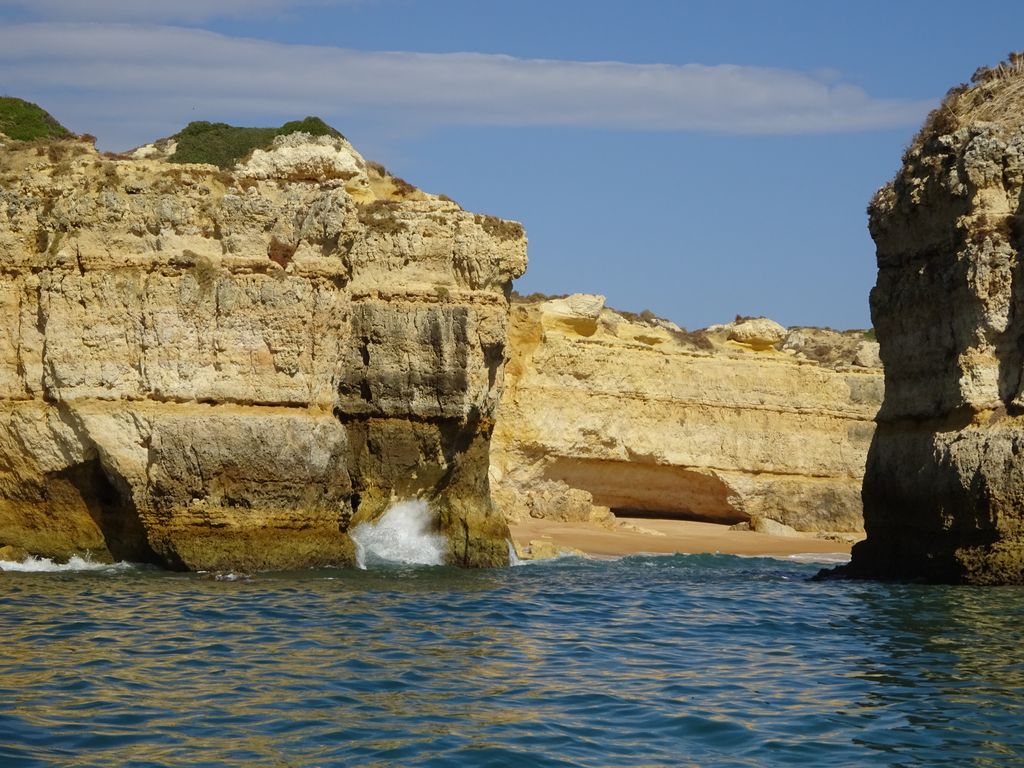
[544, 549]
[226, 369]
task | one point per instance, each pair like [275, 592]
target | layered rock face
[748, 420]
[212, 369]
[944, 489]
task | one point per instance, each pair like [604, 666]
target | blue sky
[699, 159]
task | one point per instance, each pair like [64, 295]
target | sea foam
[75, 563]
[832, 558]
[404, 534]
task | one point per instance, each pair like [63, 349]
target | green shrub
[224, 145]
[25, 121]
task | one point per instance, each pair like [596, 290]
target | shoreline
[635, 536]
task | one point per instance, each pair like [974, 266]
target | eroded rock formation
[944, 489]
[213, 369]
[750, 419]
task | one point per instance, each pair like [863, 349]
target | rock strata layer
[944, 488]
[211, 369]
[630, 413]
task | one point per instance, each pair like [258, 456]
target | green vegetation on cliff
[224, 145]
[25, 121]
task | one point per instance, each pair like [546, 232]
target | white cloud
[158, 11]
[114, 73]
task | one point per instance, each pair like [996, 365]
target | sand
[635, 536]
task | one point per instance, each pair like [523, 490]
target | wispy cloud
[142, 10]
[114, 72]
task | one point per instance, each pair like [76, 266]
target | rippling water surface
[685, 660]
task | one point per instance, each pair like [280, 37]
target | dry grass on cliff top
[994, 95]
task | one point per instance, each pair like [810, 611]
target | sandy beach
[633, 536]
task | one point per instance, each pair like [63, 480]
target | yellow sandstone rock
[631, 413]
[224, 369]
[944, 489]
[542, 549]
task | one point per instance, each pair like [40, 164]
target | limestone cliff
[944, 489]
[603, 410]
[227, 369]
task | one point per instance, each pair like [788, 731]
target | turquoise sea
[705, 660]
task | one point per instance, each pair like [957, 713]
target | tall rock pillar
[944, 489]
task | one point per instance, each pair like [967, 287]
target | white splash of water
[403, 534]
[832, 558]
[513, 558]
[75, 563]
